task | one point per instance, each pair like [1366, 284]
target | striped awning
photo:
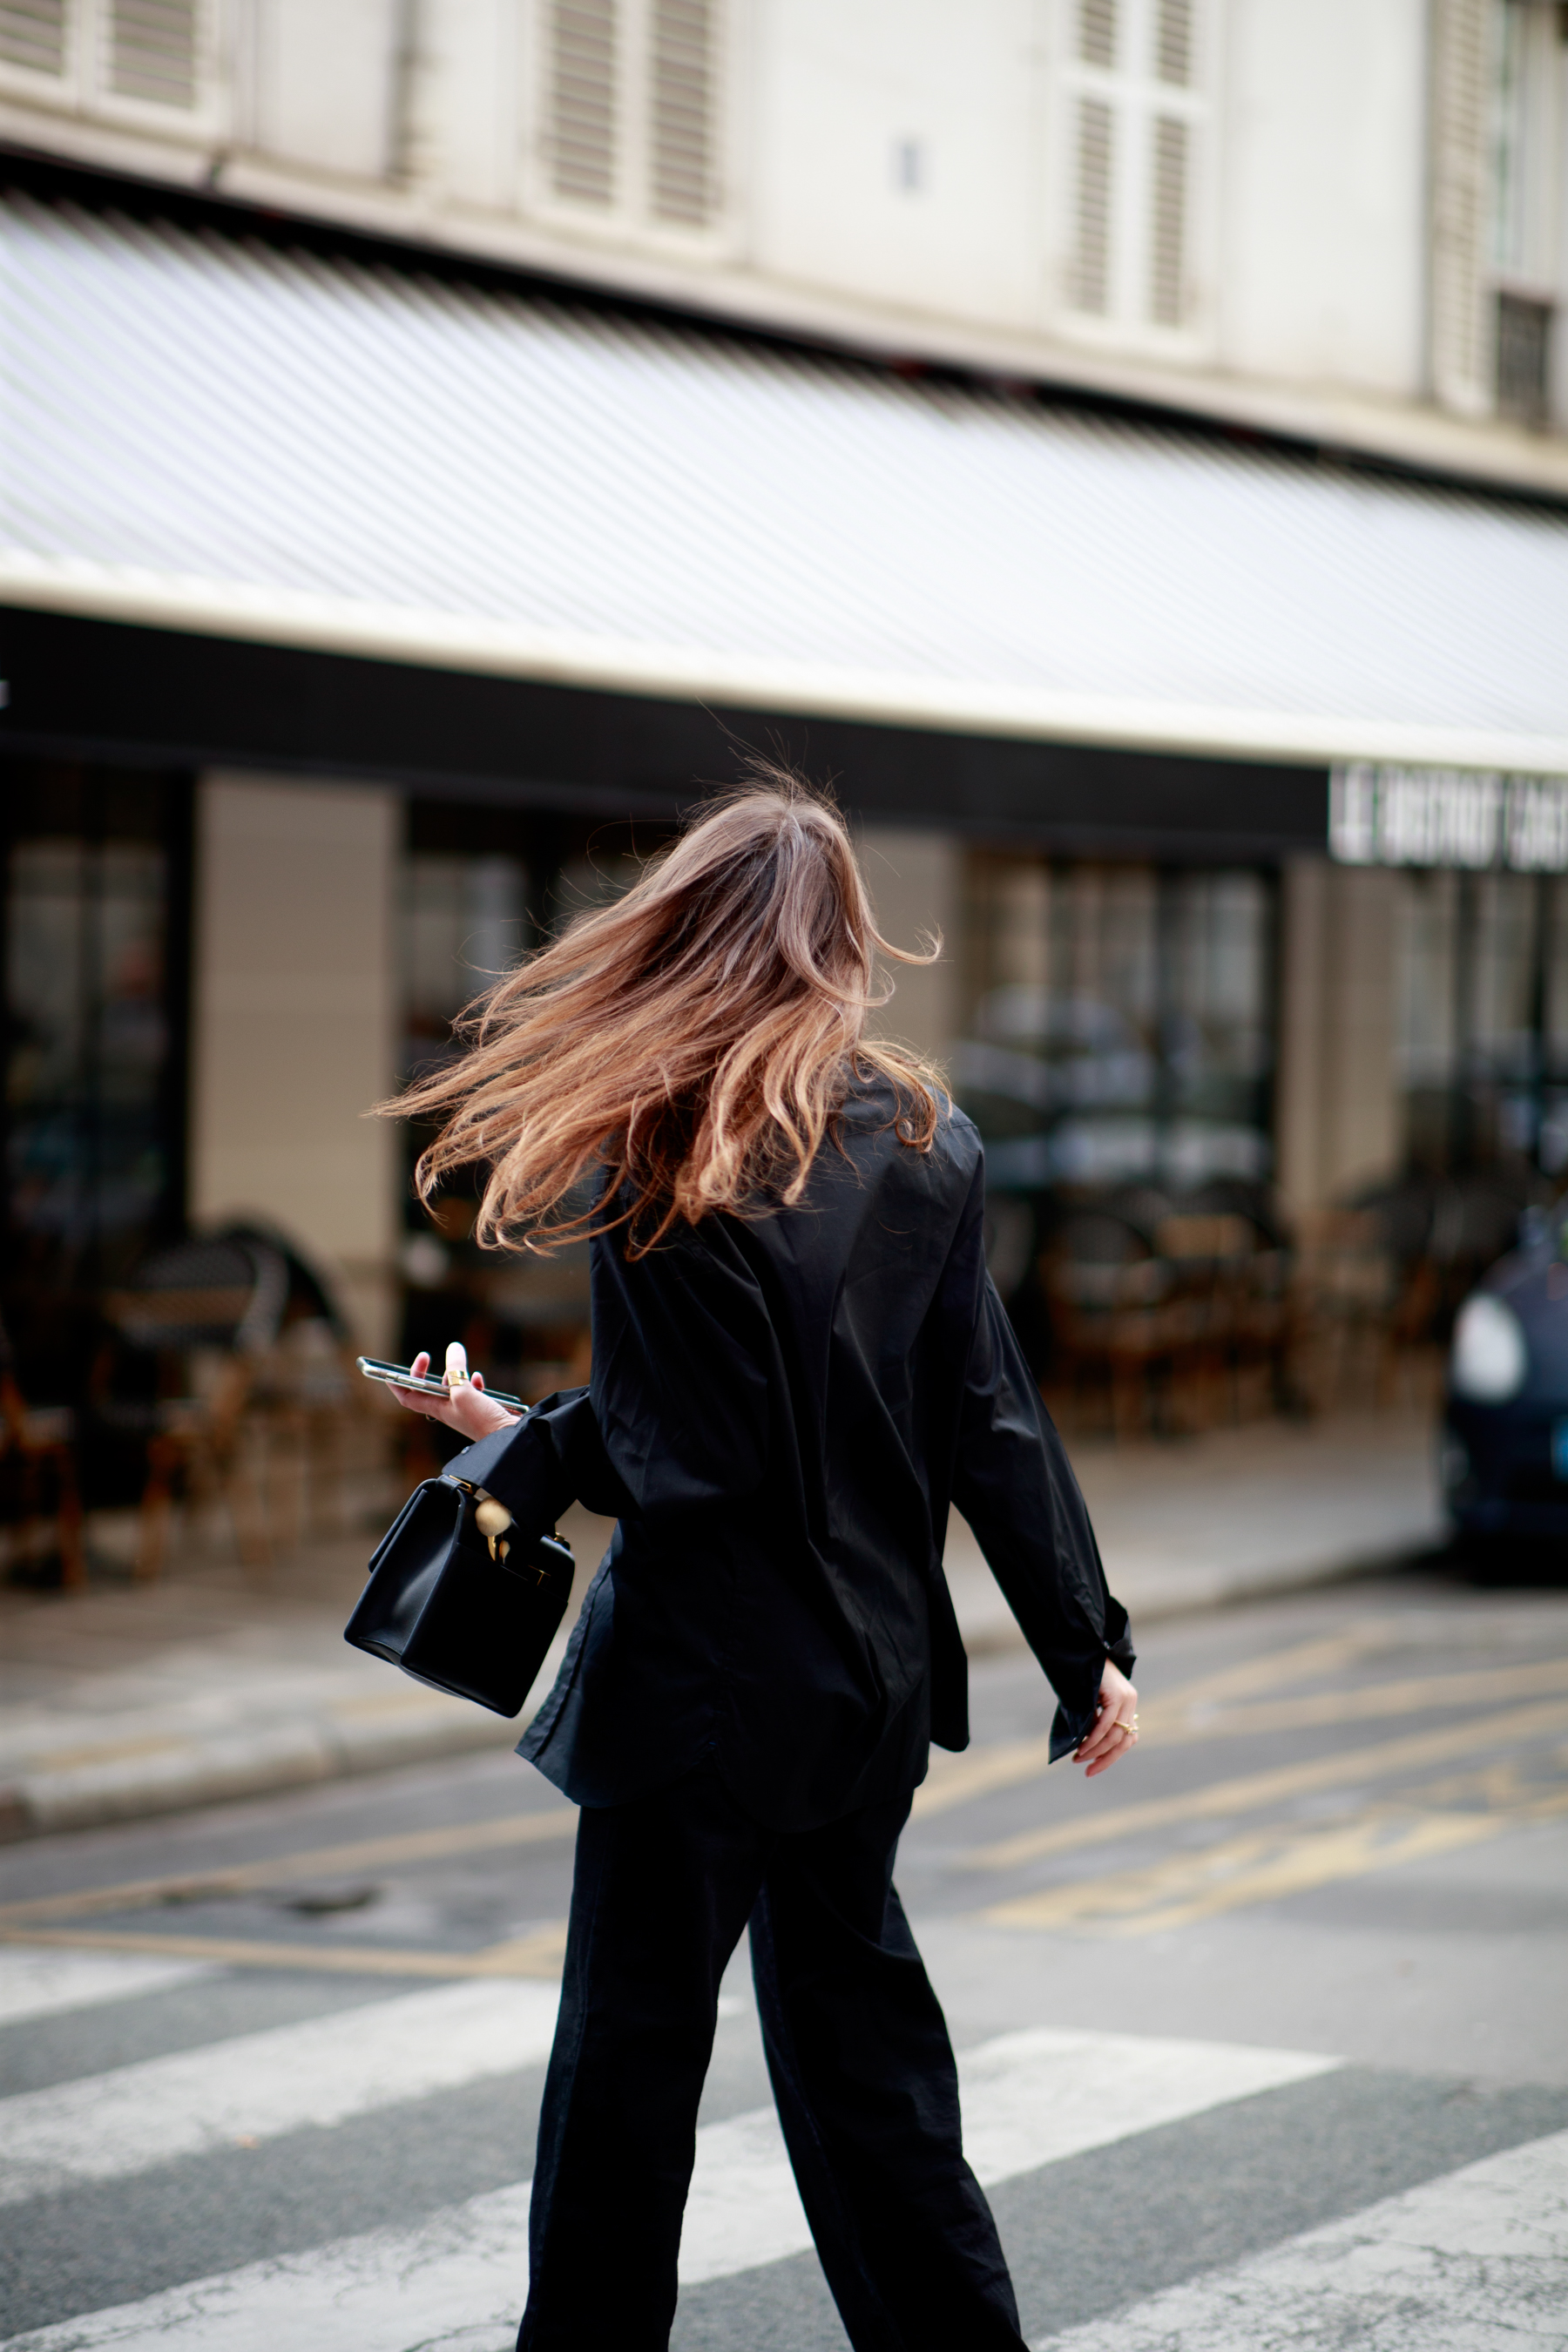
[205, 433]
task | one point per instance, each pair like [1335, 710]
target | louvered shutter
[1460, 375]
[1170, 168]
[33, 34]
[152, 52]
[1097, 33]
[681, 88]
[582, 101]
[1091, 192]
[1094, 164]
[1174, 43]
[1168, 225]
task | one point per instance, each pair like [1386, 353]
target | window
[1121, 1028]
[149, 56]
[1526, 198]
[1136, 108]
[629, 111]
[1497, 144]
[1482, 962]
[95, 913]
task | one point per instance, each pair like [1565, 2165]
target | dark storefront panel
[97, 920]
[109, 690]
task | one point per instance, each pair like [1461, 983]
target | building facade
[1123, 441]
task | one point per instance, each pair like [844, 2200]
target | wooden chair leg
[73, 1554]
[157, 1507]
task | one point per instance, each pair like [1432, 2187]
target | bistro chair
[39, 1497]
[1115, 1317]
[206, 1313]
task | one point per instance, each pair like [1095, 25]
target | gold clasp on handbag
[492, 1520]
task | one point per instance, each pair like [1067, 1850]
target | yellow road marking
[368, 1853]
[539, 1955]
[1173, 1720]
[1001, 1764]
[1416, 1695]
[1253, 1790]
[1262, 1865]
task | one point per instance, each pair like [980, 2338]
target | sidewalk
[121, 1702]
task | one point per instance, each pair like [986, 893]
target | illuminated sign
[1385, 815]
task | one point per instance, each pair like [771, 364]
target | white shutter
[1097, 33]
[681, 87]
[1459, 355]
[1168, 223]
[153, 50]
[1174, 43]
[1093, 185]
[582, 102]
[33, 34]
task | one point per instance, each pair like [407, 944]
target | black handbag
[459, 1602]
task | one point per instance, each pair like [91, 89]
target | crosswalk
[1475, 2262]
[453, 2281]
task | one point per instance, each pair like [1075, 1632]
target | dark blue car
[1505, 1423]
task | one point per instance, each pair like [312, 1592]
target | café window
[1120, 1025]
[96, 914]
[1483, 1019]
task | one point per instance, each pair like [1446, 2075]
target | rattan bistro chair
[217, 1304]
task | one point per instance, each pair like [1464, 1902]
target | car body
[1505, 1418]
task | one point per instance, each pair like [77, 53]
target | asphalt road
[1264, 2033]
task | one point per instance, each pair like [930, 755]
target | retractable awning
[230, 436]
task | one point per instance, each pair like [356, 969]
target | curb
[136, 1779]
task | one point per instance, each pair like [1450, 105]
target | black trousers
[856, 2047]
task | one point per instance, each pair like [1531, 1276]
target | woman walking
[799, 1362]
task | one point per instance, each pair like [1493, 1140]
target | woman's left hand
[1115, 1732]
[465, 1407]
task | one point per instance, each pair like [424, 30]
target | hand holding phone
[460, 1401]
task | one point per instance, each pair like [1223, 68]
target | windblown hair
[685, 1049]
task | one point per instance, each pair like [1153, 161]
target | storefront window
[1120, 1026]
[1483, 1019]
[95, 924]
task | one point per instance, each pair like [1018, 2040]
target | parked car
[1505, 1423]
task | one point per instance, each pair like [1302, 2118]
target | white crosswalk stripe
[1476, 2261]
[261, 2084]
[456, 2282]
[42, 1983]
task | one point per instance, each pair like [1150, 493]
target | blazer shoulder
[958, 1139]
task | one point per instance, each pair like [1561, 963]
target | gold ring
[1123, 1725]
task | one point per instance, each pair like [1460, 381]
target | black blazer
[781, 1413]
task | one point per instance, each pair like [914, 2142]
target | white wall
[1323, 199]
[469, 105]
[1339, 1114]
[916, 881]
[839, 87]
[324, 82]
[294, 1002]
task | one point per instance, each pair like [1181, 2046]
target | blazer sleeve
[1013, 1484]
[553, 1457]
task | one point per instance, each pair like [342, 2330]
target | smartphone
[398, 1376]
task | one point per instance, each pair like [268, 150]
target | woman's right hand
[465, 1407]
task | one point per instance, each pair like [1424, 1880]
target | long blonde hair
[688, 1045]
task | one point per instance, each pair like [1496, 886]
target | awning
[204, 433]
